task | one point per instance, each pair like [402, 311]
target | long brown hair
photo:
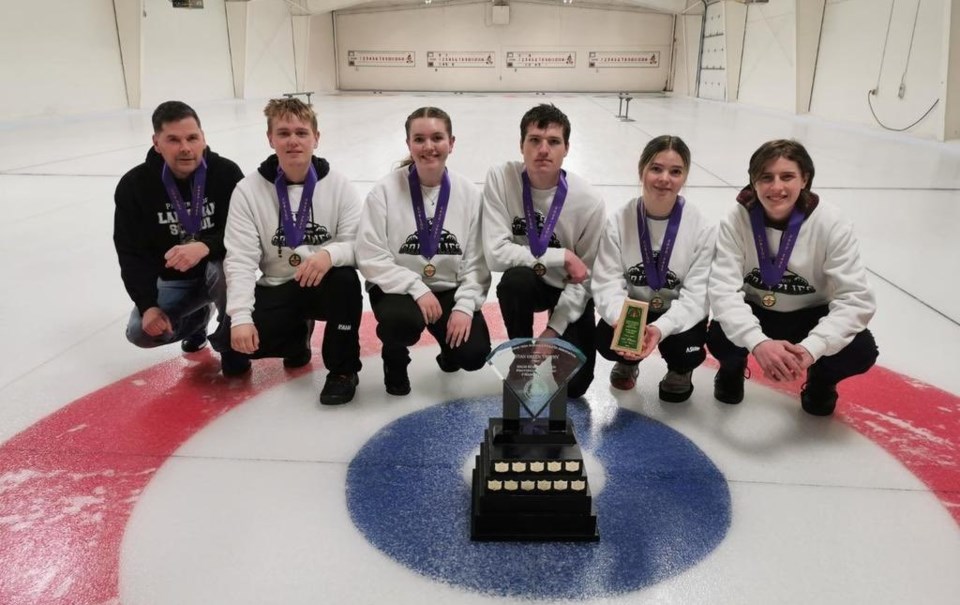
[425, 112]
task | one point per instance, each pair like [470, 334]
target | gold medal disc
[429, 270]
[769, 299]
[540, 269]
[656, 303]
[295, 260]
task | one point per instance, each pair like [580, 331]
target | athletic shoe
[339, 389]
[623, 376]
[818, 399]
[194, 342]
[728, 383]
[234, 364]
[676, 386]
[396, 380]
[447, 365]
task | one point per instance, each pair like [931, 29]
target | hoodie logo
[637, 275]
[448, 243]
[520, 228]
[790, 284]
[313, 235]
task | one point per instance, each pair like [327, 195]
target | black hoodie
[145, 226]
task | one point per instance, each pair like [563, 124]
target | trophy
[529, 482]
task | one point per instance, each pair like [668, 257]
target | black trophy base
[531, 487]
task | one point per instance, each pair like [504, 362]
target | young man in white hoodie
[295, 220]
[541, 227]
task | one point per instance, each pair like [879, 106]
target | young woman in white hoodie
[657, 249]
[788, 286]
[419, 249]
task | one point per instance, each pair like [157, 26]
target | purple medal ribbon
[657, 271]
[294, 228]
[190, 217]
[428, 235]
[772, 270]
[540, 239]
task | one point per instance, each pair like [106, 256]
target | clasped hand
[782, 361]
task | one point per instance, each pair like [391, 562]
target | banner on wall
[381, 58]
[461, 58]
[541, 59]
[624, 58]
[187, 3]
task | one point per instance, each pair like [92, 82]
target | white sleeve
[342, 248]
[498, 245]
[692, 306]
[474, 274]
[574, 298]
[242, 241]
[374, 259]
[608, 283]
[725, 288]
[852, 303]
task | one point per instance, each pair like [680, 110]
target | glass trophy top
[534, 369]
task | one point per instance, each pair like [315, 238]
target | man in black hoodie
[168, 232]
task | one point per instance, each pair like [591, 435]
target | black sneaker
[299, 360]
[194, 342]
[339, 389]
[818, 399]
[728, 383]
[447, 365]
[234, 364]
[396, 381]
[676, 387]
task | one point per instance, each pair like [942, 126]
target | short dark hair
[172, 111]
[542, 116]
[665, 142]
[781, 148]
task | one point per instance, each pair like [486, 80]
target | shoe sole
[235, 373]
[671, 397]
[188, 348]
[728, 400]
[340, 399]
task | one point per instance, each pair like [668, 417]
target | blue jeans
[186, 303]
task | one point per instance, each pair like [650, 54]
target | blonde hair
[279, 108]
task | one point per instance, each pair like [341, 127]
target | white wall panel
[321, 63]
[59, 57]
[185, 53]
[532, 27]
[270, 66]
[768, 72]
[849, 63]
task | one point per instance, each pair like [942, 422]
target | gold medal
[768, 300]
[540, 269]
[656, 303]
[295, 260]
[429, 270]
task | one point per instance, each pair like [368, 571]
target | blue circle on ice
[664, 506]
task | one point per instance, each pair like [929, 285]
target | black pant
[400, 325]
[284, 314]
[793, 326]
[522, 293]
[683, 352]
